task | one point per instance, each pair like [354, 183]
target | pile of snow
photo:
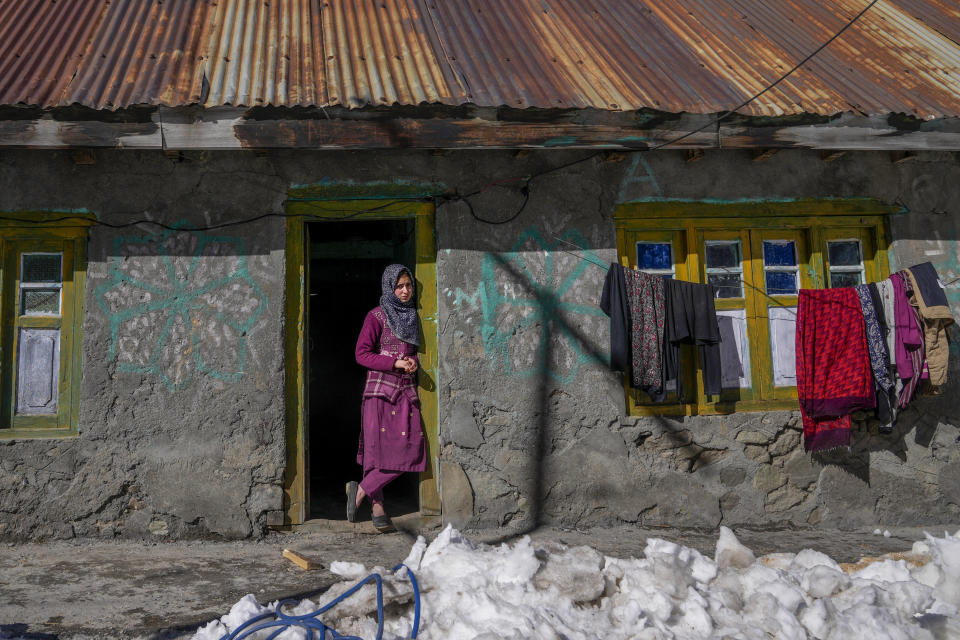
[672, 592]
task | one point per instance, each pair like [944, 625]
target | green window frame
[42, 287]
[745, 249]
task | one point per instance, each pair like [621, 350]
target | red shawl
[833, 365]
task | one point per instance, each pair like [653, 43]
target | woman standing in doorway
[391, 436]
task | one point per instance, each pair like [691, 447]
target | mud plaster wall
[181, 417]
[182, 425]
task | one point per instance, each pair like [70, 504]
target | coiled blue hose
[309, 622]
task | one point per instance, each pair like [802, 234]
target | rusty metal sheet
[41, 46]
[265, 53]
[143, 52]
[703, 56]
[695, 56]
[383, 52]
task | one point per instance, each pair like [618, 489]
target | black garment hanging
[613, 302]
[691, 318]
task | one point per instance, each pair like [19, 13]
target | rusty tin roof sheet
[699, 56]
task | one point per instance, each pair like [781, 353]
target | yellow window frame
[811, 223]
[44, 232]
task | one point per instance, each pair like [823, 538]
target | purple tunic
[391, 437]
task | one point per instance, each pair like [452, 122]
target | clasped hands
[406, 365]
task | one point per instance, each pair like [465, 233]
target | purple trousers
[374, 480]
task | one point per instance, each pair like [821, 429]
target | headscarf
[401, 316]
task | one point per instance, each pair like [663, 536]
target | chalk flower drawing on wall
[533, 317]
[180, 304]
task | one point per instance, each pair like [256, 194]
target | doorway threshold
[414, 523]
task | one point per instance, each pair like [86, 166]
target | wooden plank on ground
[301, 561]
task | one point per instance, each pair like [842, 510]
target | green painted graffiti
[539, 305]
[639, 184]
[180, 304]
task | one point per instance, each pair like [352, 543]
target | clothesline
[779, 303]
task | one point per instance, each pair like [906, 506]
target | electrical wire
[712, 123]
[770, 86]
[348, 214]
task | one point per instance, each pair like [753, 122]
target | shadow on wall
[865, 439]
[855, 463]
[553, 323]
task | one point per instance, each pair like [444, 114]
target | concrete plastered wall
[534, 424]
[182, 412]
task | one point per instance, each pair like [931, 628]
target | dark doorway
[346, 262]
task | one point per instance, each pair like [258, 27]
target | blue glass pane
[654, 255]
[780, 283]
[779, 253]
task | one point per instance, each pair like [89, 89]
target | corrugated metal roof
[142, 52]
[265, 52]
[697, 56]
[383, 52]
[42, 45]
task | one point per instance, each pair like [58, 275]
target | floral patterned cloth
[645, 306]
[876, 341]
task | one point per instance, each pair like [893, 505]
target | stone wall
[182, 411]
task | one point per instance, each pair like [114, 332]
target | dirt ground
[92, 589]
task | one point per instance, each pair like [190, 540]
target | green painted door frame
[301, 212]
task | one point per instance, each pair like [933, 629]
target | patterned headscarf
[401, 317]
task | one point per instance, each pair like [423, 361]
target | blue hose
[309, 621]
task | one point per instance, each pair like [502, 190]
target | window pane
[723, 255]
[40, 302]
[781, 283]
[41, 267]
[783, 335]
[734, 349]
[38, 371]
[844, 279]
[844, 254]
[727, 284]
[779, 253]
[654, 255]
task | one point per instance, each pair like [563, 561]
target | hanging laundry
[887, 294]
[613, 302]
[877, 349]
[833, 365]
[885, 289]
[646, 312]
[886, 394]
[691, 318]
[931, 303]
[909, 337]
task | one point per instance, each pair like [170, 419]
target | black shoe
[352, 501]
[383, 524]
